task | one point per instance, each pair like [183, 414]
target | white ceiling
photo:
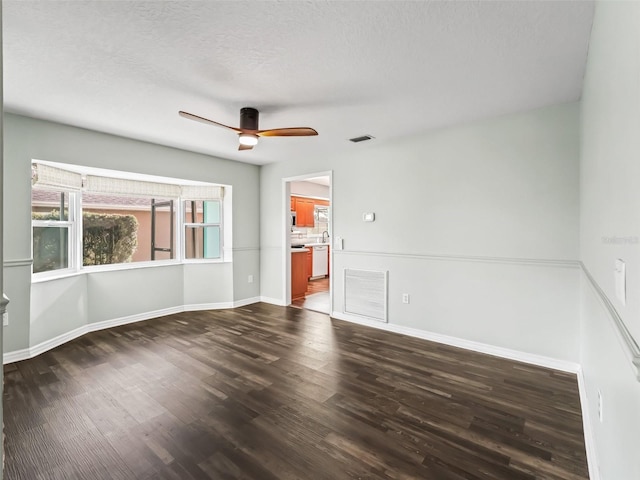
[345, 68]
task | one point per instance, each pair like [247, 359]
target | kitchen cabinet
[304, 212]
[299, 279]
[310, 263]
[304, 208]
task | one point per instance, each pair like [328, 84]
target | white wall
[45, 310]
[610, 209]
[503, 191]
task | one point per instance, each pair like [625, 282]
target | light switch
[368, 217]
[338, 243]
[621, 281]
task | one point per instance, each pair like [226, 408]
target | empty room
[320, 240]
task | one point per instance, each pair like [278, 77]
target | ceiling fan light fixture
[248, 139]
[249, 132]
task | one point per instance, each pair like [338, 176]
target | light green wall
[478, 223]
[610, 207]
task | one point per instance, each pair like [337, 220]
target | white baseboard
[246, 301]
[197, 307]
[138, 317]
[16, 356]
[540, 360]
[26, 353]
[273, 301]
[589, 434]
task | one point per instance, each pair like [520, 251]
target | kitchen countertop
[298, 250]
[316, 244]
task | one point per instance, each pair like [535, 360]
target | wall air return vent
[365, 293]
[363, 138]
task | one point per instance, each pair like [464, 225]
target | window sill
[49, 276]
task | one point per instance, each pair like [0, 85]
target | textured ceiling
[387, 69]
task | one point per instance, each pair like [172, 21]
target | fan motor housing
[248, 118]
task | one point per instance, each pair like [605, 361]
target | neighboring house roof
[49, 198]
[46, 198]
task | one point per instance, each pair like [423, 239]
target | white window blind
[121, 186]
[52, 178]
[202, 192]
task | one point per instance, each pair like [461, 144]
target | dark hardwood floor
[266, 392]
[318, 285]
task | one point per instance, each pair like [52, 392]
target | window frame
[71, 225]
[184, 225]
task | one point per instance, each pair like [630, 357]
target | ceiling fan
[248, 132]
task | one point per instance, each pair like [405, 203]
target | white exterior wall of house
[610, 229]
[478, 223]
[46, 313]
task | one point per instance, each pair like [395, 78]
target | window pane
[120, 229]
[202, 242]
[45, 205]
[211, 212]
[199, 211]
[190, 211]
[50, 248]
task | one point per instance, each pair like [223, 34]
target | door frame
[286, 232]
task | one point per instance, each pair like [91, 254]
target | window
[202, 228]
[97, 218]
[53, 224]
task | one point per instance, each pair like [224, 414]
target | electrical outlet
[250, 279]
[405, 298]
[600, 413]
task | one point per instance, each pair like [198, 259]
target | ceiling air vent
[363, 138]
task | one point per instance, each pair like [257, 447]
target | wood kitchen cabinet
[304, 212]
[304, 208]
[299, 277]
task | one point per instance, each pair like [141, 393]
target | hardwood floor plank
[266, 392]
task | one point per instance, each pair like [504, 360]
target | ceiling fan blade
[287, 132]
[245, 147]
[191, 116]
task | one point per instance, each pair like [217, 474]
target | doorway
[308, 238]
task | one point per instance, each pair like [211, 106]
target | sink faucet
[324, 240]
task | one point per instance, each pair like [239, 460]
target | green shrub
[108, 238]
